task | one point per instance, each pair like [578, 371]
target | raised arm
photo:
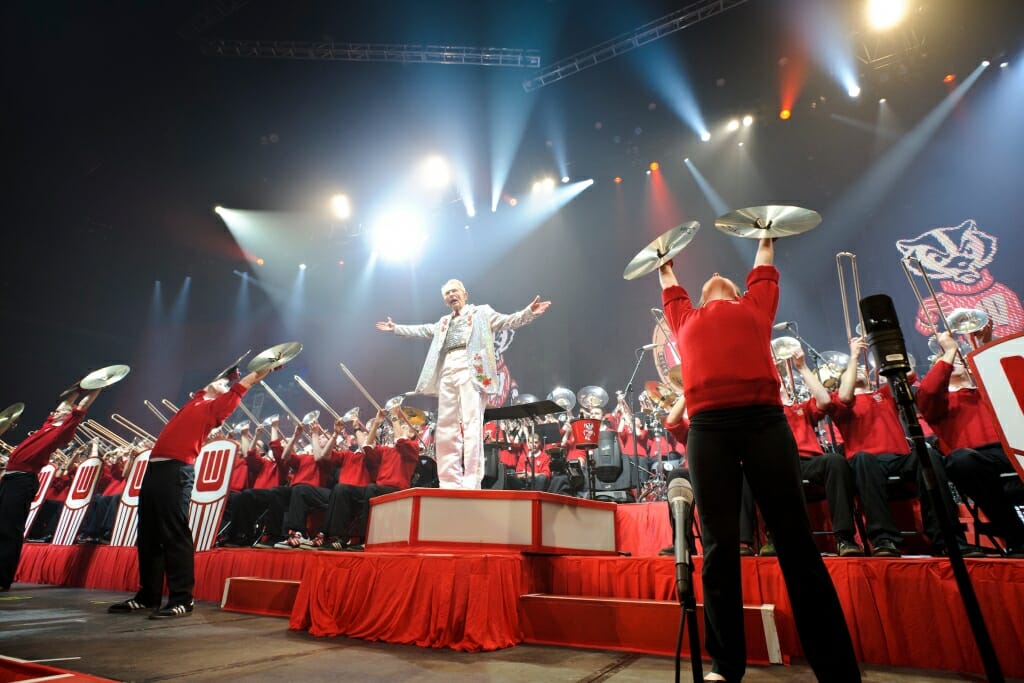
[848, 382]
[510, 321]
[425, 331]
[818, 392]
[765, 252]
[667, 276]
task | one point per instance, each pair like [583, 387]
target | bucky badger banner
[957, 259]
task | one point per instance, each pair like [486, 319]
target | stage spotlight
[435, 173]
[565, 179]
[853, 90]
[705, 136]
[340, 206]
[260, 262]
[618, 180]
[733, 125]
[655, 166]
[748, 120]
[217, 209]
[302, 266]
[739, 144]
[881, 100]
[1003, 65]
[512, 201]
[470, 210]
[548, 184]
[686, 160]
[985, 62]
[949, 78]
[398, 235]
[885, 14]
[785, 114]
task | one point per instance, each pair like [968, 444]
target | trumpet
[132, 427]
[846, 310]
[966, 321]
[316, 397]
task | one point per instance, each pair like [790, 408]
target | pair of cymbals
[755, 222]
[9, 417]
[98, 379]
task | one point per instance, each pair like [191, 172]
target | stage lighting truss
[209, 16]
[371, 52]
[659, 28]
[884, 51]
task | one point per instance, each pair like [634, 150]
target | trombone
[170, 406]
[316, 397]
[95, 431]
[132, 427]
[153, 409]
[846, 310]
[908, 263]
[288, 411]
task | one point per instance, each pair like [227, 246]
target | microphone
[680, 501]
[781, 326]
[648, 347]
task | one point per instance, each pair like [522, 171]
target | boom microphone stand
[634, 466]
[886, 341]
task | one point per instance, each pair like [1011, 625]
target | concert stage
[901, 612]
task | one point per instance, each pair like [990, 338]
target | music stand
[525, 411]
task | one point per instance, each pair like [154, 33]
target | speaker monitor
[608, 457]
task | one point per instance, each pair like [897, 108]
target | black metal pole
[632, 420]
[905, 399]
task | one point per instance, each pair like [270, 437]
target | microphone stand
[632, 418]
[905, 399]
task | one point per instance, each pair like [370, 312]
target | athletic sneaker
[173, 611]
[294, 541]
[886, 548]
[848, 548]
[129, 606]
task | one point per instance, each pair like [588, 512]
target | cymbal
[231, 369]
[768, 221]
[675, 377]
[662, 395]
[660, 251]
[10, 415]
[274, 357]
[104, 377]
[415, 416]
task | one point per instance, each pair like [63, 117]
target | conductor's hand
[537, 307]
[386, 326]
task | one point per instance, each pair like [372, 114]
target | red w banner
[46, 476]
[210, 492]
[999, 370]
[126, 523]
[77, 503]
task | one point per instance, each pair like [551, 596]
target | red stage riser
[253, 595]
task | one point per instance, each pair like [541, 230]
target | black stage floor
[69, 628]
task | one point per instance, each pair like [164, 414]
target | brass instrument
[98, 433]
[401, 413]
[846, 310]
[564, 398]
[153, 409]
[783, 350]
[316, 397]
[133, 428]
[170, 406]
[288, 411]
[963, 324]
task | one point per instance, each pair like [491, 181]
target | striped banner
[210, 493]
[46, 476]
[126, 528]
[77, 503]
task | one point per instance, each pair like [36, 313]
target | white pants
[458, 439]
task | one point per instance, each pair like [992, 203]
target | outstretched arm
[848, 382]
[818, 392]
[667, 276]
[426, 330]
[765, 252]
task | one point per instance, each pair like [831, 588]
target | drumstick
[360, 387]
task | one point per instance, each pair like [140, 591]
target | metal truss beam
[369, 52]
[209, 16]
[881, 51]
[626, 42]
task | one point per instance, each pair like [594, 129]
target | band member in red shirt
[20, 482]
[533, 463]
[737, 428]
[877, 448]
[164, 538]
[967, 433]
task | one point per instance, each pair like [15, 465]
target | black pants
[833, 472]
[99, 520]
[872, 473]
[17, 489]
[756, 442]
[303, 500]
[976, 474]
[165, 540]
[46, 520]
[348, 510]
[253, 505]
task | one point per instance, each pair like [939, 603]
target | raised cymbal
[662, 395]
[768, 221]
[10, 415]
[231, 369]
[104, 377]
[660, 251]
[274, 357]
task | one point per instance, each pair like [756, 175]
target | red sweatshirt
[183, 436]
[395, 464]
[542, 464]
[726, 345]
[239, 475]
[680, 431]
[267, 473]
[353, 467]
[115, 487]
[34, 451]
[961, 419]
[802, 418]
[305, 469]
[58, 490]
[871, 424]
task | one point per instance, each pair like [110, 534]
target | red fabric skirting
[465, 602]
[642, 529]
